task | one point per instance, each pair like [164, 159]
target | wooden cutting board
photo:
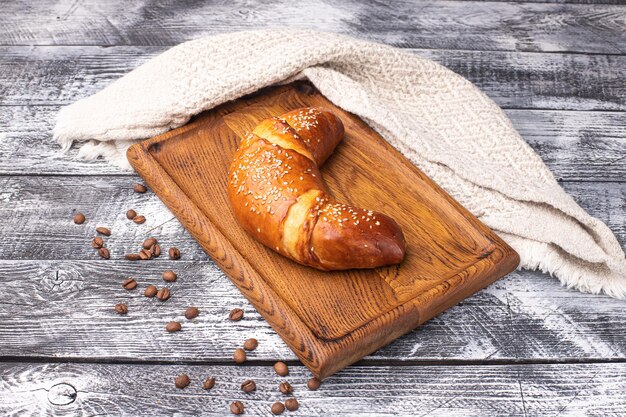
[329, 319]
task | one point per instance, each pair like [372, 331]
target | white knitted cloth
[440, 121]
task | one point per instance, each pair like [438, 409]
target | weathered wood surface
[617, 2]
[421, 24]
[37, 216]
[48, 75]
[576, 145]
[64, 309]
[524, 317]
[513, 390]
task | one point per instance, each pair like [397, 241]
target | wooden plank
[64, 309]
[618, 2]
[576, 145]
[442, 24]
[61, 75]
[514, 390]
[37, 213]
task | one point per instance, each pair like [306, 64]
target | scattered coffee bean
[103, 231]
[104, 253]
[173, 326]
[236, 407]
[281, 368]
[132, 257]
[250, 344]
[151, 291]
[278, 408]
[292, 404]
[155, 250]
[285, 387]
[208, 383]
[248, 386]
[79, 218]
[131, 214]
[139, 188]
[174, 253]
[145, 254]
[169, 276]
[191, 313]
[129, 284]
[182, 381]
[121, 308]
[139, 219]
[313, 384]
[239, 356]
[236, 314]
[148, 243]
[163, 294]
[97, 242]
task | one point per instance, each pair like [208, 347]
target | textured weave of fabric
[441, 122]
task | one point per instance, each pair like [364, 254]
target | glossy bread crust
[278, 196]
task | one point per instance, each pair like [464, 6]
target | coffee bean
[208, 383]
[169, 276]
[155, 250]
[281, 368]
[121, 308]
[191, 313]
[285, 387]
[174, 253]
[278, 408]
[236, 314]
[239, 356]
[79, 218]
[139, 188]
[131, 214]
[97, 242]
[132, 257]
[103, 231]
[173, 326]
[250, 344]
[129, 284]
[104, 253]
[292, 404]
[144, 255]
[248, 386]
[147, 244]
[151, 291]
[236, 407]
[313, 384]
[182, 381]
[163, 294]
[139, 219]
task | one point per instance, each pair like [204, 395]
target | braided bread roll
[278, 196]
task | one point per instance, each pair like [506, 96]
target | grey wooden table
[523, 346]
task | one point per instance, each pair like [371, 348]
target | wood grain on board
[405, 23]
[47, 75]
[329, 319]
[66, 389]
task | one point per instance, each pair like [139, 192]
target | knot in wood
[62, 394]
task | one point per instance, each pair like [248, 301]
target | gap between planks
[363, 363]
